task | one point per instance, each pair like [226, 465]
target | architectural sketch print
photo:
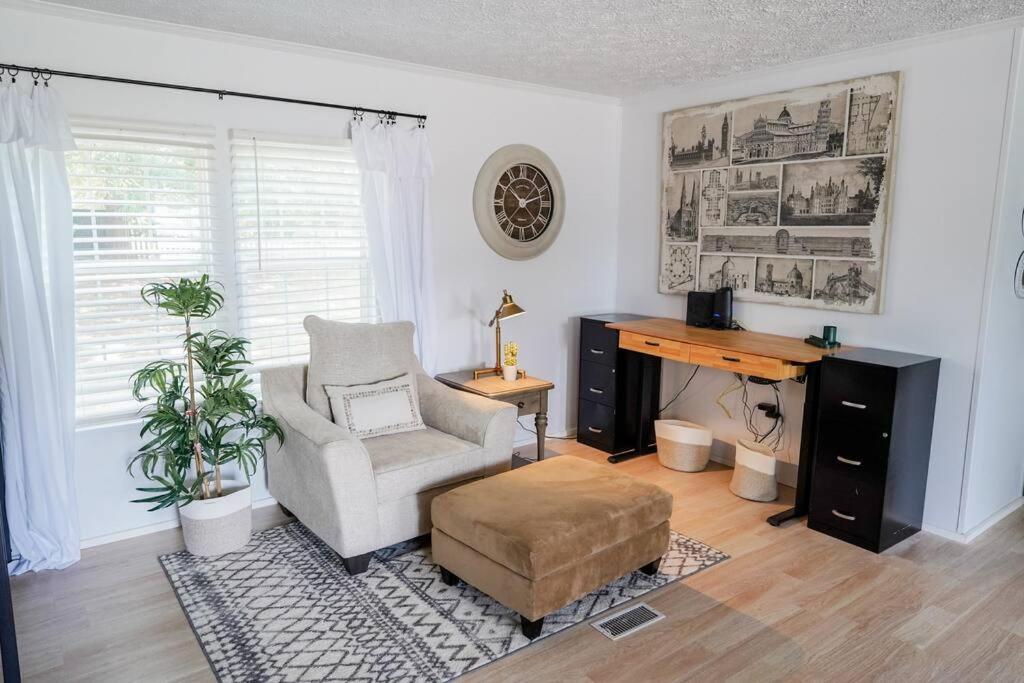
[678, 268]
[726, 271]
[831, 242]
[697, 139]
[838, 192]
[752, 208]
[804, 125]
[871, 110]
[745, 178]
[712, 196]
[784, 277]
[847, 284]
[783, 196]
[681, 207]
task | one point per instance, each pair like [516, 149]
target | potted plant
[200, 417]
[510, 364]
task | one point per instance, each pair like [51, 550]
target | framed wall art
[783, 197]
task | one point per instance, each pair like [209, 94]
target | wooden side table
[529, 394]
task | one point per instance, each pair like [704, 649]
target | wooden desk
[528, 394]
[754, 354]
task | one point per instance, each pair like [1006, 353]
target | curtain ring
[14, 74]
[35, 77]
[357, 115]
[382, 117]
[421, 122]
[47, 75]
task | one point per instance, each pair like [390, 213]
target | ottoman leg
[357, 564]
[531, 629]
[651, 568]
[448, 578]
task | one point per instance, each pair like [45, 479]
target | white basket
[683, 446]
[754, 475]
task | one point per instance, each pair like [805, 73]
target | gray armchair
[361, 495]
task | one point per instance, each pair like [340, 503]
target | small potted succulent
[200, 416]
[510, 364]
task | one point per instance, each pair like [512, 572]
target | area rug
[284, 609]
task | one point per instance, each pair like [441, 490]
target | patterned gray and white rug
[284, 609]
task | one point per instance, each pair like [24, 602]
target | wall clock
[519, 201]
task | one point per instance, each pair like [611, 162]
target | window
[142, 212]
[150, 204]
[300, 241]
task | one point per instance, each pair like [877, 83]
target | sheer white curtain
[37, 329]
[395, 166]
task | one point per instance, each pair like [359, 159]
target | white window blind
[143, 212]
[300, 241]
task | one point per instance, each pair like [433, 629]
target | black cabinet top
[615, 317]
[889, 359]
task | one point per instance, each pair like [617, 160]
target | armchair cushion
[413, 462]
[344, 354]
[368, 410]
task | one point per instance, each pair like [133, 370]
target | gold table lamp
[507, 309]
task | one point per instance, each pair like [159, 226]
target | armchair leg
[531, 629]
[651, 568]
[357, 564]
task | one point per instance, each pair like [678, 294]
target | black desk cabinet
[875, 417]
[611, 408]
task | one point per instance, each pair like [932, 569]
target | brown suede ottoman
[541, 536]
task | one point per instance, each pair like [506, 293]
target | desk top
[789, 349]
[492, 386]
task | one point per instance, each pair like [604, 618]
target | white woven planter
[754, 475]
[218, 525]
[683, 446]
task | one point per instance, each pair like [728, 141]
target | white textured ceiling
[611, 47]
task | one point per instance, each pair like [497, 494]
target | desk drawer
[743, 363]
[596, 426]
[655, 346]
[597, 383]
[598, 344]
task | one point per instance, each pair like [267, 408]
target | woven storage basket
[754, 475]
[683, 446]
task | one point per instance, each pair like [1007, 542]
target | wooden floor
[791, 604]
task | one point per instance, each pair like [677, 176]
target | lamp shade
[508, 308]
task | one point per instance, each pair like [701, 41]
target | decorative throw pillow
[369, 410]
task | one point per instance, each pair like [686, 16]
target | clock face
[523, 202]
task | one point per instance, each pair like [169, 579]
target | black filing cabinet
[611, 408]
[875, 417]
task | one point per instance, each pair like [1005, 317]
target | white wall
[951, 121]
[469, 119]
[995, 472]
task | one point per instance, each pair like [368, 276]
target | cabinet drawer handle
[595, 430]
[731, 359]
[651, 343]
[840, 515]
[858, 406]
[855, 463]
[595, 391]
[597, 352]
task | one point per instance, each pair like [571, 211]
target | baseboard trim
[968, 536]
[149, 529]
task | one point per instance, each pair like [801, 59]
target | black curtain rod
[37, 72]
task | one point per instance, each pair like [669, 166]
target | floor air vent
[628, 621]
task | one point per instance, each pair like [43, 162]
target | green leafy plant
[200, 413]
